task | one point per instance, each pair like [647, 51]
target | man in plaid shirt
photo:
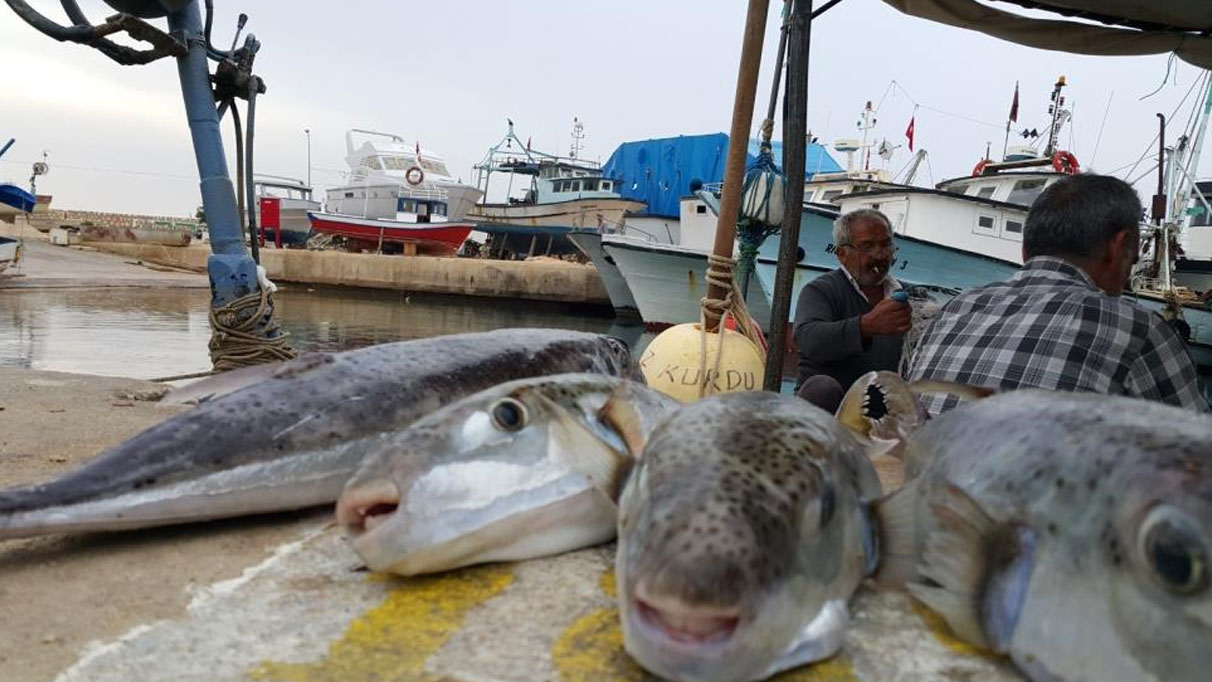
[1059, 323]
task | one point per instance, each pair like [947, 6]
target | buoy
[670, 364]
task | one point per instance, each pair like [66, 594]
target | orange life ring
[418, 174]
[1065, 162]
[980, 167]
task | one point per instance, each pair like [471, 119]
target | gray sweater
[827, 332]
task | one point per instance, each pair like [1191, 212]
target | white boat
[385, 159]
[10, 252]
[560, 194]
[667, 281]
[392, 217]
[282, 208]
[589, 242]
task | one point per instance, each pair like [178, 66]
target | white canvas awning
[1129, 27]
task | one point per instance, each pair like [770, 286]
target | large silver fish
[292, 441]
[742, 535]
[525, 469]
[1071, 532]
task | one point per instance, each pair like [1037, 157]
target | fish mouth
[362, 510]
[683, 625]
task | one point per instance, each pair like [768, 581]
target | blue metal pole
[233, 274]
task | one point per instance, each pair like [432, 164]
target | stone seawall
[540, 280]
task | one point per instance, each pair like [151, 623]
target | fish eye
[1174, 552]
[509, 415]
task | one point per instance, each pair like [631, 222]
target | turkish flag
[1014, 105]
[909, 132]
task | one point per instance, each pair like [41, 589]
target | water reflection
[148, 333]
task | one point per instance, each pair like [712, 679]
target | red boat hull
[439, 239]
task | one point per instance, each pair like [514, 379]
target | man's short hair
[1078, 215]
[845, 223]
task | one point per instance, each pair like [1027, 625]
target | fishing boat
[667, 281]
[392, 218]
[14, 201]
[385, 159]
[282, 208]
[560, 194]
[965, 231]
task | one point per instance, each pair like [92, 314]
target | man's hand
[887, 317]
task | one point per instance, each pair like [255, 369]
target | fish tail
[897, 533]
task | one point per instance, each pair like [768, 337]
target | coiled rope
[715, 311]
[244, 332]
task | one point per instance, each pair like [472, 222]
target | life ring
[980, 167]
[414, 175]
[1065, 162]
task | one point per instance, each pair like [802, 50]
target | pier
[114, 264]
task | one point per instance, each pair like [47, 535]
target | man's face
[869, 253]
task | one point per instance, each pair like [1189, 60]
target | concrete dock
[540, 279]
[282, 597]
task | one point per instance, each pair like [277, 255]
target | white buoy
[671, 363]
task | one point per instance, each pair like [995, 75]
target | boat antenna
[578, 134]
[1056, 109]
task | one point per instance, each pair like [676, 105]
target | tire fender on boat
[414, 175]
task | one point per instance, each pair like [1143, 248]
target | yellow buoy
[670, 364]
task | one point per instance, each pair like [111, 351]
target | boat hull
[135, 235]
[589, 242]
[443, 239]
[598, 214]
[669, 282]
[10, 252]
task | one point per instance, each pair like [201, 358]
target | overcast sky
[449, 73]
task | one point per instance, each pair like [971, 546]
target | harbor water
[154, 333]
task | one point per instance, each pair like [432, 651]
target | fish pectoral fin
[820, 639]
[963, 571]
[964, 391]
[897, 533]
[587, 454]
[619, 415]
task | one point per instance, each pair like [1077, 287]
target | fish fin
[958, 560]
[896, 531]
[964, 391]
[620, 416]
[589, 455]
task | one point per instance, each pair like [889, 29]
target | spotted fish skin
[1071, 532]
[291, 441]
[741, 538]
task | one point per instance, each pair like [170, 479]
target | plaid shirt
[1049, 326]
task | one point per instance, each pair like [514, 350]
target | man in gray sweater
[847, 322]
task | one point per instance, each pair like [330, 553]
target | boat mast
[1180, 180]
[1056, 108]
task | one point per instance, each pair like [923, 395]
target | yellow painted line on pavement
[591, 650]
[394, 640]
[942, 632]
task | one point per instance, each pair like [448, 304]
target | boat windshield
[1025, 192]
[435, 167]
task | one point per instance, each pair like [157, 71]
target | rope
[235, 341]
[716, 311]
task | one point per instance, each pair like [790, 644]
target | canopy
[1130, 27]
[659, 172]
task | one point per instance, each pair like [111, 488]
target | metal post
[795, 129]
[307, 132]
[233, 274]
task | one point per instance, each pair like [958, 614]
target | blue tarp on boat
[12, 195]
[658, 172]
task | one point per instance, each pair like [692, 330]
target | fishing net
[761, 206]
